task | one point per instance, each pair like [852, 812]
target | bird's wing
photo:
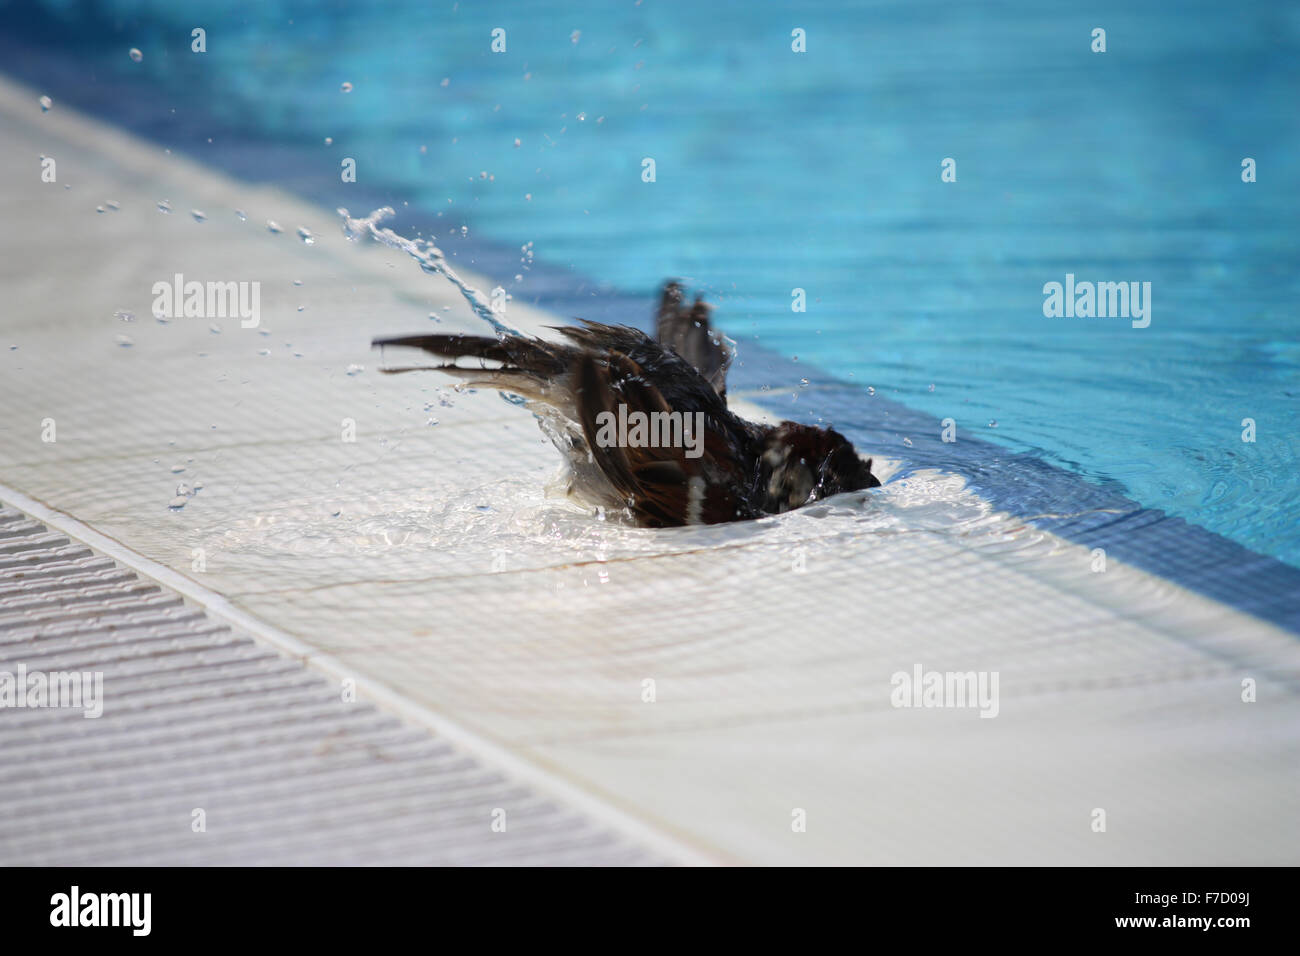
[663, 486]
[685, 330]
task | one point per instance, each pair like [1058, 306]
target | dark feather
[686, 331]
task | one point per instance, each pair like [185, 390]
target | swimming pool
[778, 171]
[426, 558]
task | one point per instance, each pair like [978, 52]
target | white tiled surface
[202, 746]
[428, 558]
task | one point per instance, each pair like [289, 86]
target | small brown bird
[644, 422]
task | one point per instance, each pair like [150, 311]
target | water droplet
[931, 387]
[113, 205]
[164, 205]
[302, 308]
[803, 383]
[993, 423]
[124, 341]
[124, 316]
[177, 469]
[446, 82]
[346, 88]
[356, 369]
[582, 117]
[214, 329]
[243, 217]
[516, 142]
[297, 282]
[177, 503]
[135, 55]
[907, 442]
[575, 36]
[305, 235]
[432, 421]
[46, 103]
[870, 390]
[263, 352]
[273, 226]
[483, 508]
[198, 215]
[329, 140]
[100, 209]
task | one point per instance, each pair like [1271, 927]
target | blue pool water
[778, 170]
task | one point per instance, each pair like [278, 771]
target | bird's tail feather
[522, 365]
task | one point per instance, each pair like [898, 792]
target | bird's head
[807, 464]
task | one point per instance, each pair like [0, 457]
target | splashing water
[430, 259]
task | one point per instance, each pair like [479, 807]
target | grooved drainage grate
[202, 723]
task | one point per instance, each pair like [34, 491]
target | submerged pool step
[213, 748]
